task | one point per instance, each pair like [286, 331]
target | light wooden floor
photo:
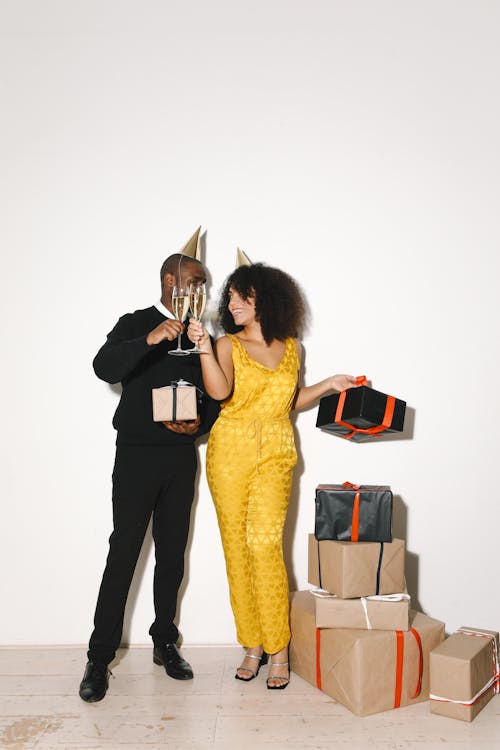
[143, 708]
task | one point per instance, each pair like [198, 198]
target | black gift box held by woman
[351, 513]
[360, 414]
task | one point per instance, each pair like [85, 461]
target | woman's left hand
[342, 382]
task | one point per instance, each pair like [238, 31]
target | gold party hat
[242, 258]
[192, 246]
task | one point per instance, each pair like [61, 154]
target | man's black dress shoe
[170, 658]
[95, 682]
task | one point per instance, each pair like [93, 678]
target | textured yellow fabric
[250, 459]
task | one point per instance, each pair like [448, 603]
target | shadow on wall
[408, 429]
[400, 531]
[187, 554]
[143, 561]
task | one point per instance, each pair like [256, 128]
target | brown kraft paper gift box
[354, 569]
[174, 403]
[367, 671]
[464, 673]
[366, 613]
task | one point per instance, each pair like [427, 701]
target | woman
[251, 452]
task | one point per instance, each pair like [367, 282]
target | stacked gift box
[355, 636]
[465, 673]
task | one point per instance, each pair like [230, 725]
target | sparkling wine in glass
[197, 302]
[180, 306]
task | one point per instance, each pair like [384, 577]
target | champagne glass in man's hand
[180, 306]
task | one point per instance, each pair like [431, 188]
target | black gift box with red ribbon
[360, 414]
[353, 513]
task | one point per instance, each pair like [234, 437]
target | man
[154, 473]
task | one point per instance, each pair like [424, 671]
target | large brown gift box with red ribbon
[390, 612]
[353, 570]
[368, 671]
[353, 513]
[360, 414]
[464, 673]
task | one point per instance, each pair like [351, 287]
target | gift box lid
[376, 488]
[365, 407]
[361, 408]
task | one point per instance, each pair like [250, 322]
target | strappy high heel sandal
[262, 659]
[286, 680]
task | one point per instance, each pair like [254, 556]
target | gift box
[353, 513]
[464, 673]
[176, 402]
[360, 414]
[366, 670]
[355, 570]
[390, 612]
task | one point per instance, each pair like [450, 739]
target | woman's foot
[249, 669]
[279, 674]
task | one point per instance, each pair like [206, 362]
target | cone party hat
[242, 258]
[192, 246]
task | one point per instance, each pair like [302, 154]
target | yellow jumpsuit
[250, 459]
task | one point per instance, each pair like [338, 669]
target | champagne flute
[180, 306]
[197, 302]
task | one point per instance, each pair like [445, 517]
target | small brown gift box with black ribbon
[354, 570]
[368, 671]
[360, 414]
[465, 673]
[176, 402]
[353, 513]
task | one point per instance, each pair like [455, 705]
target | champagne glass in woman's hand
[197, 302]
[180, 306]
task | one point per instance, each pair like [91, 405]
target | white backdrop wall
[355, 145]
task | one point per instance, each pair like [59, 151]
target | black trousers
[147, 480]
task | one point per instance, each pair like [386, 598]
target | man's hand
[183, 428]
[169, 330]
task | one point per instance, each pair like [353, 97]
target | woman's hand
[198, 334]
[308, 394]
[342, 382]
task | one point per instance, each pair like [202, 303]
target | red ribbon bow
[386, 421]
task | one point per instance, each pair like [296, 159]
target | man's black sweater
[127, 357]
